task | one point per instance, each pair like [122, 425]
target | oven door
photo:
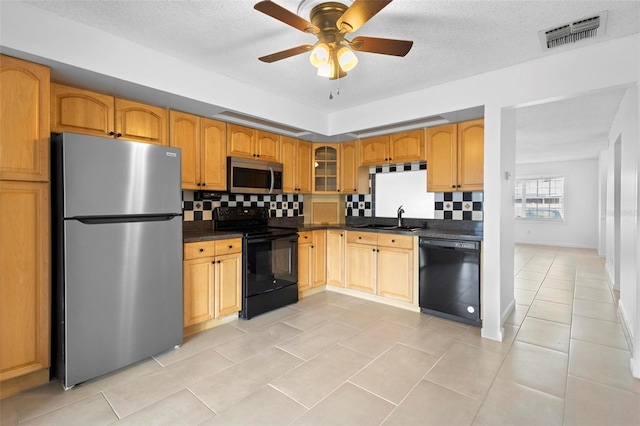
[270, 263]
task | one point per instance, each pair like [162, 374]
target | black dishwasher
[450, 279]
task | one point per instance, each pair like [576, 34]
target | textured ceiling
[452, 40]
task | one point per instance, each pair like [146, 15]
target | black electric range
[269, 258]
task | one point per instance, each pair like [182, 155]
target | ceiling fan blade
[286, 53]
[359, 13]
[385, 46]
[283, 15]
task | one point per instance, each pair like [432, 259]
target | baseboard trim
[548, 244]
[22, 383]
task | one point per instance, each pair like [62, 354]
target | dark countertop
[202, 231]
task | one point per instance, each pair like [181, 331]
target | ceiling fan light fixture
[347, 59]
[320, 55]
[326, 69]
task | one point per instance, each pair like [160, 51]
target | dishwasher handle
[450, 244]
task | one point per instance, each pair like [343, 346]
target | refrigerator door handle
[91, 220]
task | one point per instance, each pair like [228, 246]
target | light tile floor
[335, 359]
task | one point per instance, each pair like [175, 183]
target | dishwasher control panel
[468, 245]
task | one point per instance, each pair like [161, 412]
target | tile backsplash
[448, 205]
[285, 205]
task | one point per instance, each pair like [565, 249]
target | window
[540, 199]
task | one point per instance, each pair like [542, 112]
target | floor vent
[593, 26]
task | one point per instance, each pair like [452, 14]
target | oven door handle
[293, 238]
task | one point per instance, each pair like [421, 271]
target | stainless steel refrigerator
[117, 245]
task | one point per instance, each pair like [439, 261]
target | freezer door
[105, 177]
[123, 294]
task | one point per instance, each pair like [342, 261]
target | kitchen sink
[406, 228]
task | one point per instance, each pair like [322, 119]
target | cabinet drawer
[395, 241]
[230, 246]
[305, 237]
[198, 250]
[362, 237]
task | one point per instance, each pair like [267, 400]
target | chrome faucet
[400, 211]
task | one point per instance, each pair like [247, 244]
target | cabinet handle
[218, 261]
[378, 250]
[305, 237]
[198, 184]
[359, 238]
[230, 247]
[112, 133]
[393, 241]
[311, 246]
[257, 155]
[204, 184]
[341, 235]
[118, 135]
[453, 186]
[355, 190]
[373, 250]
[458, 186]
[213, 262]
[201, 250]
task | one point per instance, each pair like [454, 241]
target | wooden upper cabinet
[203, 144]
[139, 122]
[349, 167]
[241, 141]
[471, 155]
[24, 120]
[305, 154]
[374, 150]
[296, 162]
[442, 158]
[326, 163]
[406, 147]
[213, 155]
[267, 146]
[81, 111]
[184, 133]
[455, 157]
[289, 156]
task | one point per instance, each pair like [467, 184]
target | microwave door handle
[272, 179]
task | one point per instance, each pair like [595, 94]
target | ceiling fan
[330, 23]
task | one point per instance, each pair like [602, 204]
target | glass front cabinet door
[325, 168]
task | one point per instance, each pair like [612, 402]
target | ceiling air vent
[593, 26]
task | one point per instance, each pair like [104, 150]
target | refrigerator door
[112, 177]
[123, 294]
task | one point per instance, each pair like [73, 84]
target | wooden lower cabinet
[361, 267]
[380, 264]
[212, 280]
[335, 257]
[312, 255]
[198, 290]
[24, 279]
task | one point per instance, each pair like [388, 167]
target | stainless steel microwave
[246, 176]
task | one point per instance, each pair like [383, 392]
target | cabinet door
[25, 278]
[305, 265]
[442, 158]
[395, 273]
[305, 153]
[184, 133]
[268, 146]
[325, 169]
[405, 147]
[289, 165]
[349, 167]
[335, 258]
[471, 155]
[374, 150]
[361, 267]
[81, 111]
[240, 141]
[319, 249]
[199, 275]
[213, 155]
[24, 120]
[140, 122]
[228, 282]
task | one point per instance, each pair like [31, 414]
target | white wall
[625, 129]
[580, 228]
[602, 204]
